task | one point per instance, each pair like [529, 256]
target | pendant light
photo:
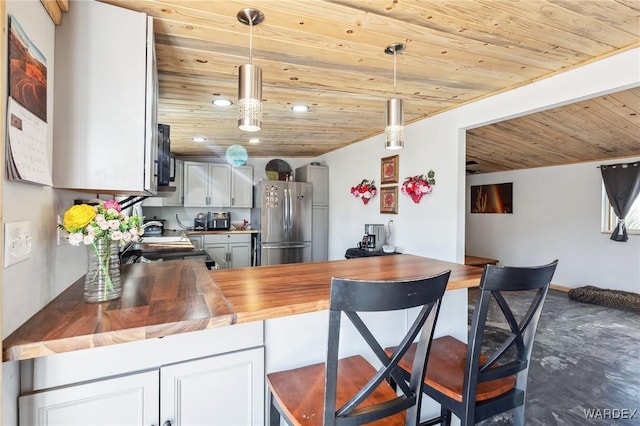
[394, 128]
[250, 80]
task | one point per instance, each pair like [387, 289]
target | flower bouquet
[419, 185]
[365, 190]
[102, 228]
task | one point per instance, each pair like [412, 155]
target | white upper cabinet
[242, 186]
[217, 185]
[319, 177]
[105, 101]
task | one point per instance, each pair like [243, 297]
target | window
[632, 221]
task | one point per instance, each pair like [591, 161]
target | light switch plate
[17, 242]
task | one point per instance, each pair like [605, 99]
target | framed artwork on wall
[389, 200]
[493, 198]
[389, 170]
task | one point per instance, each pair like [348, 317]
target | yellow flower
[78, 217]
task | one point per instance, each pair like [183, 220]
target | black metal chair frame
[496, 280]
[353, 296]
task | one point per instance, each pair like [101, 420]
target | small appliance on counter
[373, 238]
[200, 222]
[219, 221]
[153, 226]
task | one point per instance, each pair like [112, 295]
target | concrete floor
[585, 365]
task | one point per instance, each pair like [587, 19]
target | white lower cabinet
[128, 400]
[212, 377]
[220, 390]
[229, 250]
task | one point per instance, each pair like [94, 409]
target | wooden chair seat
[445, 370]
[350, 391]
[474, 382]
[301, 391]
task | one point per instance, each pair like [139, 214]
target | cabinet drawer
[227, 238]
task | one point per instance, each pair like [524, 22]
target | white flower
[76, 238]
[114, 224]
[116, 235]
[88, 239]
[366, 194]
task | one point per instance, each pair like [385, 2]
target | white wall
[436, 226]
[557, 214]
[29, 285]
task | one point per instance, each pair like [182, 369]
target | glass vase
[103, 281]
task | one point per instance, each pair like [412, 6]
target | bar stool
[475, 386]
[350, 391]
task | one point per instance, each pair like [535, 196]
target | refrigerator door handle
[289, 207]
[285, 209]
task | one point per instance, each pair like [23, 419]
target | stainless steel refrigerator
[282, 213]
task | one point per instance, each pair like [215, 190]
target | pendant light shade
[249, 98]
[394, 130]
[250, 80]
[394, 117]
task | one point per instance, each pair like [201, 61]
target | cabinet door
[196, 176]
[219, 185]
[219, 254]
[318, 176]
[239, 255]
[223, 390]
[103, 109]
[242, 186]
[175, 199]
[127, 400]
[319, 233]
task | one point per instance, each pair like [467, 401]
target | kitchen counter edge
[163, 298]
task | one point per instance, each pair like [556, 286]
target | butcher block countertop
[165, 298]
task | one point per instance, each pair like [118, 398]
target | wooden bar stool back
[350, 391]
[475, 386]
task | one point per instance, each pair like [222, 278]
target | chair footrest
[431, 422]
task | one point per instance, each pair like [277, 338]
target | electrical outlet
[17, 242]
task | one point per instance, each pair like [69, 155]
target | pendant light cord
[395, 53]
[250, 44]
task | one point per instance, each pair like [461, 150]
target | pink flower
[112, 204]
[419, 185]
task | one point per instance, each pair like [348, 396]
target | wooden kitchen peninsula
[180, 329]
[282, 290]
[165, 298]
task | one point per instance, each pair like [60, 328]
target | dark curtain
[622, 183]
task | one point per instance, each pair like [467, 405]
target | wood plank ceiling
[330, 56]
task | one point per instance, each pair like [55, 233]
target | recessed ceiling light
[254, 140]
[300, 108]
[222, 102]
[199, 139]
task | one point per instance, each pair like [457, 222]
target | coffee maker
[373, 239]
